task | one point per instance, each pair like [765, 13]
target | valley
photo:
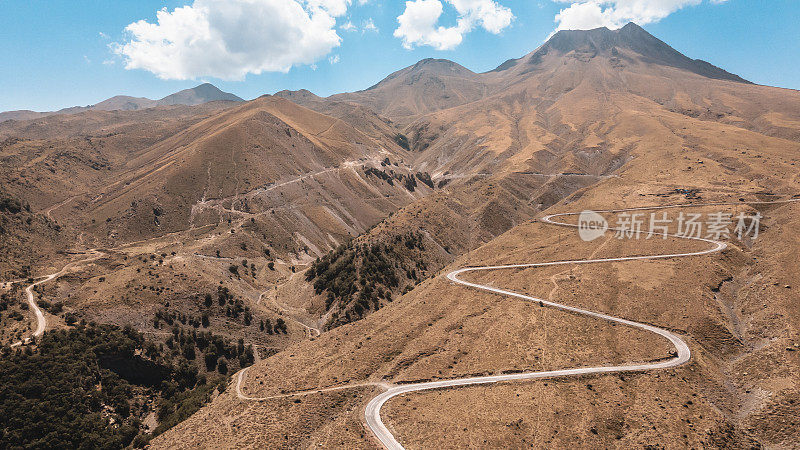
[400, 266]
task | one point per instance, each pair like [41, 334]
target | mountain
[233, 166]
[23, 114]
[598, 72]
[203, 93]
[118, 103]
[337, 220]
[627, 43]
[248, 192]
[429, 85]
[240, 151]
[437, 84]
[301, 97]
[595, 119]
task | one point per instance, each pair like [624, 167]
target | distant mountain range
[438, 84]
[346, 211]
[203, 93]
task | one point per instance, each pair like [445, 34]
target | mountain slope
[117, 103]
[187, 203]
[646, 127]
[429, 85]
[48, 160]
[604, 42]
[301, 97]
[251, 162]
[436, 84]
[536, 117]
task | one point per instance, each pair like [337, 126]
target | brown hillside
[662, 129]
[429, 85]
[320, 231]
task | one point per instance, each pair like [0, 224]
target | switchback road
[681, 356]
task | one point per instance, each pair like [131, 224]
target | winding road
[372, 416]
[41, 321]
[682, 354]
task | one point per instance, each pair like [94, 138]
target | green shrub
[402, 141]
[54, 397]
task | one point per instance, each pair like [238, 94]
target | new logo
[591, 225]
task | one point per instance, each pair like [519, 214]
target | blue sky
[64, 53]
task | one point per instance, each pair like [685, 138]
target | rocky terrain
[339, 218]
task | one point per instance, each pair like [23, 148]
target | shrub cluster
[357, 278]
[408, 181]
[88, 387]
[402, 141]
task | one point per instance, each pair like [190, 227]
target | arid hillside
[184, 201]
[429, 85]
[26, 238]
[650, 128]
[573, 92]
[311, 237]
[148, 173]
[178, 222]
[49, 160]
[564, 117]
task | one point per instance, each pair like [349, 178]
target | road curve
[682, 352]
[312, 332]
[41, 321]
[243, 396]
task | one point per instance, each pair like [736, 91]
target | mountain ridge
[437, 83]
[199, 94]
[599, 120]
[432, 85]
[203, 93]
[436, 168]
[608, 42]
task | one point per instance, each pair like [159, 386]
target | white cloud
[103, 35]
[228, 39]
[369, 25]
[335, 8]
[587, 14]
[348, 26]
[418, 23]
[333, 59]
